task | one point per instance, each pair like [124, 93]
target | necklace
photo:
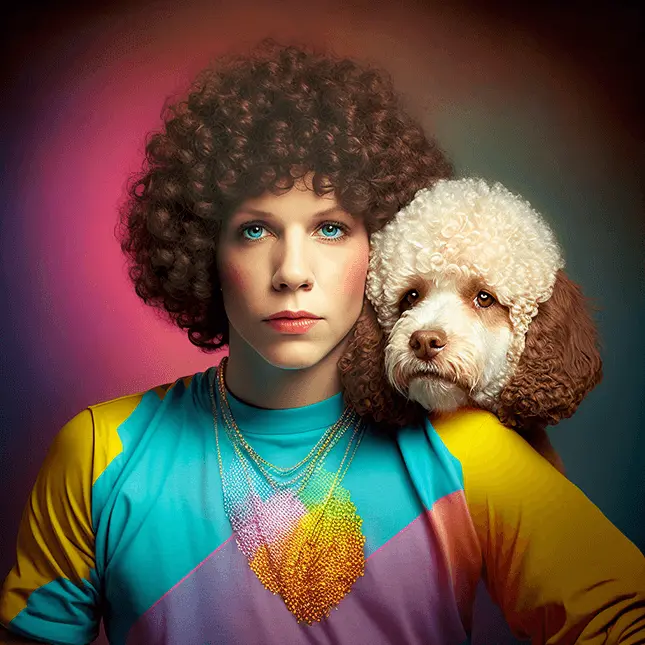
[301, 535]
[324, 445]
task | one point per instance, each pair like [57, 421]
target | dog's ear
[560, 363]
[362, 374]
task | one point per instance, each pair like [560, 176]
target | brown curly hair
[258, 123]
[362, 376]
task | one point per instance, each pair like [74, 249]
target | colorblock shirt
[126, 524]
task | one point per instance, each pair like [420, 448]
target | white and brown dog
[474, 309]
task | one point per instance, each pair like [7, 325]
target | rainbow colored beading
[297, 526]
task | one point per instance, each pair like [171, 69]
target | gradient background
[543, 100]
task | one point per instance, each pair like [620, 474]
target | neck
[252, 379]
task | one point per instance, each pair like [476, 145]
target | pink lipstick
[292, 322]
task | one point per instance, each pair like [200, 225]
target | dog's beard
[443, 384]
[438, 394]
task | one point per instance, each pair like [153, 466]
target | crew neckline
[254, 420]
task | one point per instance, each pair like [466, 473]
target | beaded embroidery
[297, 527]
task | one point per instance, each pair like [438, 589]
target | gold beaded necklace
[323, 446]
[303, 542]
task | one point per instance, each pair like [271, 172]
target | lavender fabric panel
[405, 596]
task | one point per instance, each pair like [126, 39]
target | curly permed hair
[258, 123]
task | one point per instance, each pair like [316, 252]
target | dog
[468, 305]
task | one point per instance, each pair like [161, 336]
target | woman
[248, 504]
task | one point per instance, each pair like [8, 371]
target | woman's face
[292, 252]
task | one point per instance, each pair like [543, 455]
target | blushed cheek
[353, 283]
[235, 277]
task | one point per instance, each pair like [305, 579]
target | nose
[293, 266]
[427, 343]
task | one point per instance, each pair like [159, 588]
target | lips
[292, 326]
[293, 315]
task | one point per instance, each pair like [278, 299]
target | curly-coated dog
[473, 309]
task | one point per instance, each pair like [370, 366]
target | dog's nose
[427, 343]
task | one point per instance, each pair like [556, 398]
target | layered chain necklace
[297, 526]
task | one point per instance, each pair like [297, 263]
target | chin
[437, 394]
[293, 356]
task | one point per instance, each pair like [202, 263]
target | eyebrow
[268, 214]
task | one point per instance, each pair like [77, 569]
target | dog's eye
[484, 299]
[408, 300]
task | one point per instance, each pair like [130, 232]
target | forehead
[299, 201]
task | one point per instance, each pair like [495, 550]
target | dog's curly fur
[463, 230]
[560, 363]
[362, 374]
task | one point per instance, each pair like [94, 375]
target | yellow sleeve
[558, 568]
[51, 592]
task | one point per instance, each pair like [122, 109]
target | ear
[560, 363]
[362, 374]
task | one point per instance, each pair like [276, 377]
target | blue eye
[331, 231]
[254, 232]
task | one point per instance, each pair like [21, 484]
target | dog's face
[451, 314]
[455, 280]
[449, 347]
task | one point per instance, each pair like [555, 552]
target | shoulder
[96, 435]
[470, 431]
[492, 455]
[114, 412]
[465, 438]
[117, 410]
